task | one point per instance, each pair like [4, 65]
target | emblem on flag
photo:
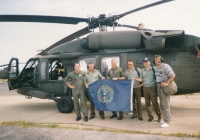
[105, 94]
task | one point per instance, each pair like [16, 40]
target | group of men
[151, 80]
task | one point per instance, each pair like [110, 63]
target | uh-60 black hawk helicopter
[42, 76]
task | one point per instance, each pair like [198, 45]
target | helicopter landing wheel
[65, 104]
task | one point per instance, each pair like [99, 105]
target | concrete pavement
[185, 114]
[31, 133]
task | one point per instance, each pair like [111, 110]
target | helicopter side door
[13, 72]
[48, 80]
[56, 77]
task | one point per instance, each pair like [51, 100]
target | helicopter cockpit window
[28, 73]
[56, 70]
[106, 64]
[84, 62]
[32, 63]
[30, 67]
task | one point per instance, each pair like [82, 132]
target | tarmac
[185, 111]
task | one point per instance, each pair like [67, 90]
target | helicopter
[42, 76]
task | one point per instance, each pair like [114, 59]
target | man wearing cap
[164, 76]
[131, 73]
[116, 73]
[148, 78]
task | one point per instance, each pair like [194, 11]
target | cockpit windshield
[32, 63]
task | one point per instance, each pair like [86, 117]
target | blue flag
[109, 95]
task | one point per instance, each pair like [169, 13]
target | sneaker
[164, 125]
[86, 119]
[121, 117]
[78, 118]
[113, 116]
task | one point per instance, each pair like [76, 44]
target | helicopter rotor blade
[4, 65]
[38, 18]
[67, 39]
[70, 20]
[92, 22]
[143, 7]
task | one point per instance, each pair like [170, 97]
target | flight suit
[78, 81]
[116, 74]
[89, 79]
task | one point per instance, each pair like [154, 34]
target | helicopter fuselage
[43, 75]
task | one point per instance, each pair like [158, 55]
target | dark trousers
[92, 108]
[150, 95]
[137, 105]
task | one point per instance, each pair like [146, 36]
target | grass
[32, 124]
[185, 135]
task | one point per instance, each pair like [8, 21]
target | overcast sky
[22, 40]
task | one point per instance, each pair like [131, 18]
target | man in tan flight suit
[92, 76]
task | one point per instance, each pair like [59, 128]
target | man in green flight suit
[75, 80]
[92, 76]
